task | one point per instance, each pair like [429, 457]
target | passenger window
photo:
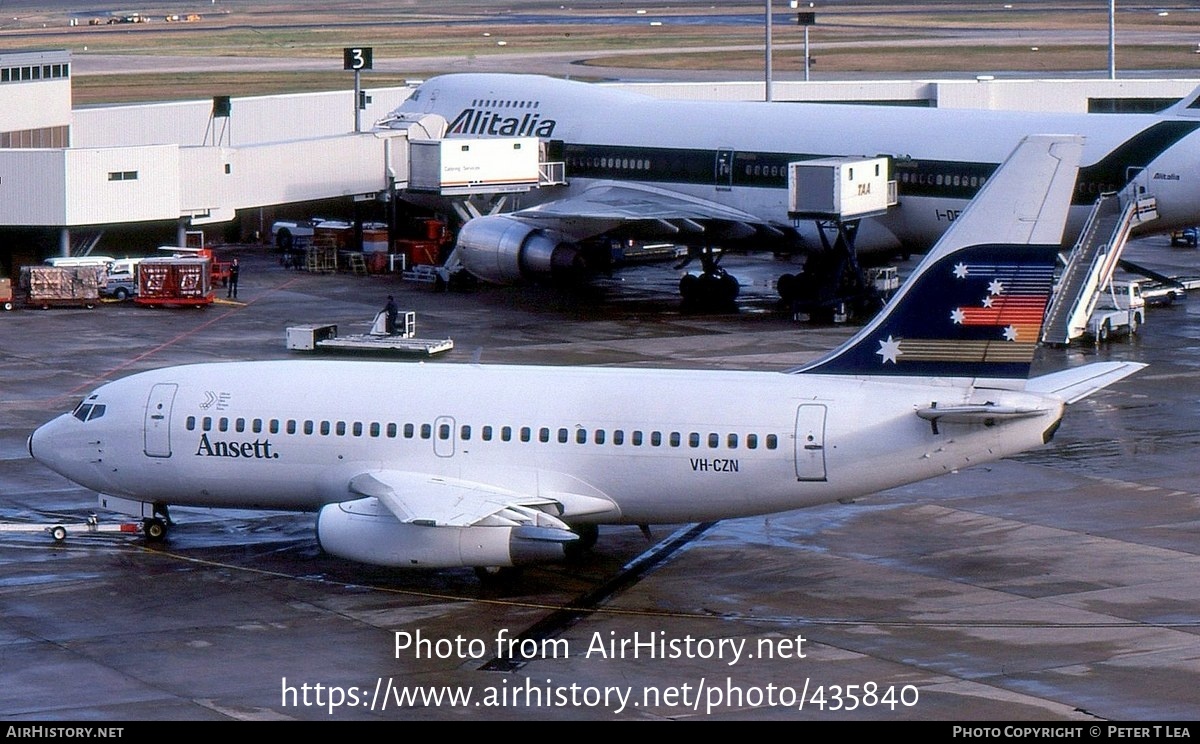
[273, 427]
[392, 430]
[656, 439]
[206, 424]
[581, 436]
[772, 441]
[256, 426]
[525, 432]
[732, 441]
[409, 431]
[543, 434]
[751, 441]
[291, 426]
[506, 433]
[443, 431]
[308, 426]
[324, 428]
[675, 439]
[714, 440]
[191, 423]
[693, 439]
[341, 428]
[637, 439]
[223, 424]
[618, 437]
[562, 436]
[375, 428]
[598, 438]
[486, 433]
[426, 431]
[464, 433]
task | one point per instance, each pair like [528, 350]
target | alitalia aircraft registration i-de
[711, 174]
[494, 466]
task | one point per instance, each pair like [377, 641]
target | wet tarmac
[1061, 585]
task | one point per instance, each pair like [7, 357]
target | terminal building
[118, 178]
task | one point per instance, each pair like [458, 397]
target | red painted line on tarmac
[91, 383]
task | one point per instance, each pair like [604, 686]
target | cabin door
[810, 442]
[158, 420]
[723, 170]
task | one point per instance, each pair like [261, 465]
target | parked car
[1185, 238]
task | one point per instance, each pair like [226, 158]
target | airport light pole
[805, 19]
[767, 59]
[1112, 39]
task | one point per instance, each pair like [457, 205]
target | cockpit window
[88, 411]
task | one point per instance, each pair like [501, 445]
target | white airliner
[441, 465]
[707, 173]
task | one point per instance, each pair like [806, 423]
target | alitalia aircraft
[715, 174]
[495, 466]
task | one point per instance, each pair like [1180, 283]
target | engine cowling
[504, 250]
[365, 531]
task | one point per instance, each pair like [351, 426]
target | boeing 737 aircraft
[496, 466]
[715, 174]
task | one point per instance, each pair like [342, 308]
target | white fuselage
[646, 445]
[735, 153]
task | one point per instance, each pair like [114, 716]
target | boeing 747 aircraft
[715, 174]
[495, 466]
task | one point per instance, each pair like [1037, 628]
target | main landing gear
[832, 286]
[712, 289]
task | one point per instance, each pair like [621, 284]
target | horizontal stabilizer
[1071, 385]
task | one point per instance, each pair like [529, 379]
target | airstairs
[1090, 266]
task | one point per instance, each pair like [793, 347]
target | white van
[68, 261]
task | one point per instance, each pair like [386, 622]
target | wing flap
[420, 498]
[611, 207]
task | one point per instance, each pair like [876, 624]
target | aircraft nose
[41, 443]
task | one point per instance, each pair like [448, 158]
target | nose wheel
[154, 529]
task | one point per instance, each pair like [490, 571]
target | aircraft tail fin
[974, 306]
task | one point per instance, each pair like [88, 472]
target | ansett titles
[483, 122]
[259, 449]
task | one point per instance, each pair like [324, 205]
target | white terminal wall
[252, 120]
[36, 104]
[1069, 96]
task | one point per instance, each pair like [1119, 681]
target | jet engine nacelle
[504, 250]
[365, 531]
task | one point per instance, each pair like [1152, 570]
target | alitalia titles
[491, 123]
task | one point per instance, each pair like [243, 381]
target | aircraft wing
[648, 212]
[436, 501]
[1072, 385]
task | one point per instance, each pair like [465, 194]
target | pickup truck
[1120, 310]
